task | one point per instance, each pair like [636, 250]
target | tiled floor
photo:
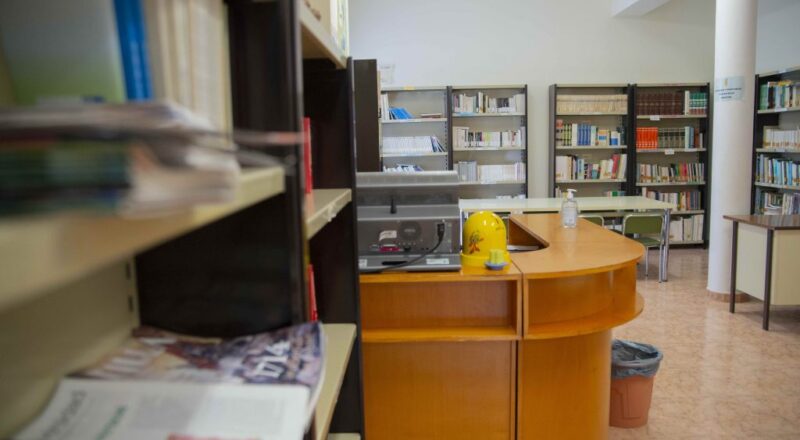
[722, 376]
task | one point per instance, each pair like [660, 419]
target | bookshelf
[417, 101]
[583, 118]
[672, 127]
[489, 139]
[75, 285]
[776, 142]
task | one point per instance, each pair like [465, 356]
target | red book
[313, 314]
[309, 180]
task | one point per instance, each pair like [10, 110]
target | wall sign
[729, 89]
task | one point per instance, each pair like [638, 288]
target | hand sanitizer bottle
[569, 210]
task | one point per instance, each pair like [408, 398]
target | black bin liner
[630, 358]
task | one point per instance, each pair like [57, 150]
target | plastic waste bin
[633, 369]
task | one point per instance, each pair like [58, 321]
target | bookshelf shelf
[470, 149]
[689, 212]
[316, 41]
[670, 184]
[772, 185]
[414, 89]
[431, 154]
[39, 253]
[339, 340]
[778, 150]
[500, 182]
[686, 242]
[414, 121]
[660, 117]
[670, 151]
[322, 205]
[594, 114]
[773, 111]
[610, 147]
[560, 182]
[486, 115]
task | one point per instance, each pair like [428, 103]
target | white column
[734, 56]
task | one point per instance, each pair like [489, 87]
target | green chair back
[596, 219]
[642, 224]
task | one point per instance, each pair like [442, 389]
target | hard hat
[483, 231]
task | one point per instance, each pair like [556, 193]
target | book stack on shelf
[574, 168]
[490, 140]
[414, 129]
[76, 284]
[776, 142]
[687, 229]
[591, 119]
[672, 138]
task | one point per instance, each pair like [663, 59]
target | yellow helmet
[483, 232]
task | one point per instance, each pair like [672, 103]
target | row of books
[130, 159]
[139, 50]
[776, 137]
[470, 171]
[464, 138]
[688, 228]
[483, 103]
[779, 95]
[579, 104]
[769, 202]
[683, 200]
[412, 145]
[672, 173]
[777, 171]
[164, 385]
[578, 168]
[403, 168]
[668, 137]
[614, 193]
[679, 102]
[587, 135]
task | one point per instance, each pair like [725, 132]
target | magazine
[163, 386]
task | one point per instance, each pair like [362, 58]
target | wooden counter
[523, 353]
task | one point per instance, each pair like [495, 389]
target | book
[587, 135]
[573, 167]
[411, 145]
[671, 103]
[777, 95]
[683, 200]
[686, 137]
[168, 386]
[481, 102]
[777, 137]
[588, 104]
[777, 171]
[464, 137]
[692, 172]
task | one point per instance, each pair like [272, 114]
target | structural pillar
[731, 154]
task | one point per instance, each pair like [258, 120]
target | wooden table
[769, 247]
[522, 353]
[622, 204]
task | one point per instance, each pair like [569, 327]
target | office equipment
[408, 221]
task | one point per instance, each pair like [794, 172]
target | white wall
[537, 42]
[777, 35]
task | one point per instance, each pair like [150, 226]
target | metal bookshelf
[417, 100]
[611, 120]
[787, 118]
[491, 155]
[641, 117]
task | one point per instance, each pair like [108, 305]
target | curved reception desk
[521, 353]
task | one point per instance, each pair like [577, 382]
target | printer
[408, 221]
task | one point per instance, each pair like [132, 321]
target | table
[769, 247]
[585, 204]
[522, 353]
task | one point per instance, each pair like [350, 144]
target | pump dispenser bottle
[569, 210]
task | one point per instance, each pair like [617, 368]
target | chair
[594, 218]
[647, 229]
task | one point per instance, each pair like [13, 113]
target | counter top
[777, 222]
[553, 204]
[586, 249]
[465, 274]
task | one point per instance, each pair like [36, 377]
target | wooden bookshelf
[43, 252]
[490, 155]
[609, 118]
[322, 205]
[414, 121]
[662, 116]
[763, 118]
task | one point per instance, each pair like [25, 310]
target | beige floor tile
[722, 377]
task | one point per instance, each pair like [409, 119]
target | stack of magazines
[160, 385]
[136, 159]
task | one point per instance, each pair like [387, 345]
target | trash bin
[633, 368]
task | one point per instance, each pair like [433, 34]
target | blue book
[133, 49]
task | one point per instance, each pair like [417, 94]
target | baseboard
[726, 297]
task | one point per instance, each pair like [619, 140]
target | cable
[440, 234]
